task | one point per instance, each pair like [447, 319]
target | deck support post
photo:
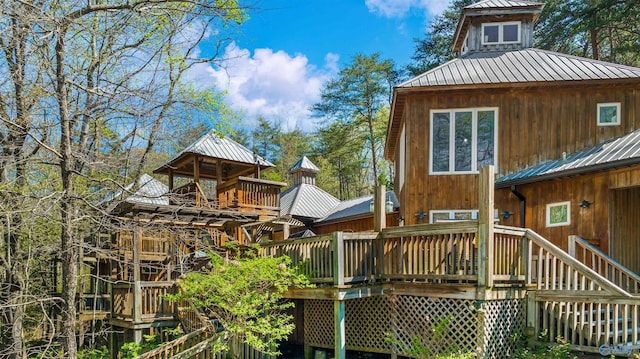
[339, 325]
[308, 351]
[532, 329]
[486, 189]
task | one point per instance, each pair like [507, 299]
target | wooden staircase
[584, 297]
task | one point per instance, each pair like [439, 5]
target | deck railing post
[338, 259]
[379, 215]
[571, 245]
[485, 229]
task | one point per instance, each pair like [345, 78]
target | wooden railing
[196, 344]
[191, 195]
[245, 193]
[314, 257]
[604, 265]
[151, 242]
[437, 252]
[142, 301]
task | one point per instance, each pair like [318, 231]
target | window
[453, 215]
[501, 33]
[558, 214]
[609, 114]
[463, 140]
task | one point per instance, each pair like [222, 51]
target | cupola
[496, 25]
[304, 171]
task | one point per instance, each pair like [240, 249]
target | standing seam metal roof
[215, 146]
[519, 66]
[306, 200]
[623, 148]
[487, 4]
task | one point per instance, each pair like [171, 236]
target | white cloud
[275, 85]
[399, 8]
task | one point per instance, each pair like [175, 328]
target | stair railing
[604, 265]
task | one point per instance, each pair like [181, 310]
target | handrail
[555, 272]
[611, 269]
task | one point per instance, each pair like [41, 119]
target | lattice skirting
[395, 323]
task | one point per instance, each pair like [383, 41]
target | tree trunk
[68, 244]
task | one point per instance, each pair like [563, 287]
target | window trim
[609, 104]
[474, 139]
[501, 32]
[557, 204]
[451, 212]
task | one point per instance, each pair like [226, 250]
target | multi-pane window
[609, 114]
[501, 33]
[453, 215]
[463, 140]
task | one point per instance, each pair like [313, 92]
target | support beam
[338, 259]
[339, 324]
[485, 229]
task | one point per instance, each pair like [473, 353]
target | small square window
[491, 33]
[558, 214]
[609, 114]
[510, 33]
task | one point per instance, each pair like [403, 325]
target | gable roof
[216, 146]
[306, 200]
[519, 66]
[304, 164]
[620, 151]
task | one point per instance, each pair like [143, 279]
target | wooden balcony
[436, 254]
[92, 306]
[247, 194]
[244, 194]
[139, 304]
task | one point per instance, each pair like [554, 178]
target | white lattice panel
[415, 317]
[318, 323]
[502, 319]
[368, 325]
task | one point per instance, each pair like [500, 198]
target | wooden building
[558, 128]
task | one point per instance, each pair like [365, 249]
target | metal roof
[150, 191]
[620, 151]
[306, 200]
[487, 4]
[519, 66]
[356, 207]
[216, 146]
[304, 164]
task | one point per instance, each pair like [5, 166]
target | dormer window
[501, 33]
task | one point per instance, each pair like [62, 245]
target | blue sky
[280, 58]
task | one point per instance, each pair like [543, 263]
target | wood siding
[591, 223]
[534, 125]
[625, 224]
[361, 224]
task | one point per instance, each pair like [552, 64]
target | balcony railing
[250, 194]
[142, 301]
[435, 253]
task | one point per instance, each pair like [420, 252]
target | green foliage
[100, 353]
[131, 350]
[246, 297]
[433, 344]
[541, 349]
[355, 107]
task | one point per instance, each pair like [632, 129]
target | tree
[606, 30]
[355, 98]
[245, 296]
[435, 48]
[601, 29]
[90, 87]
